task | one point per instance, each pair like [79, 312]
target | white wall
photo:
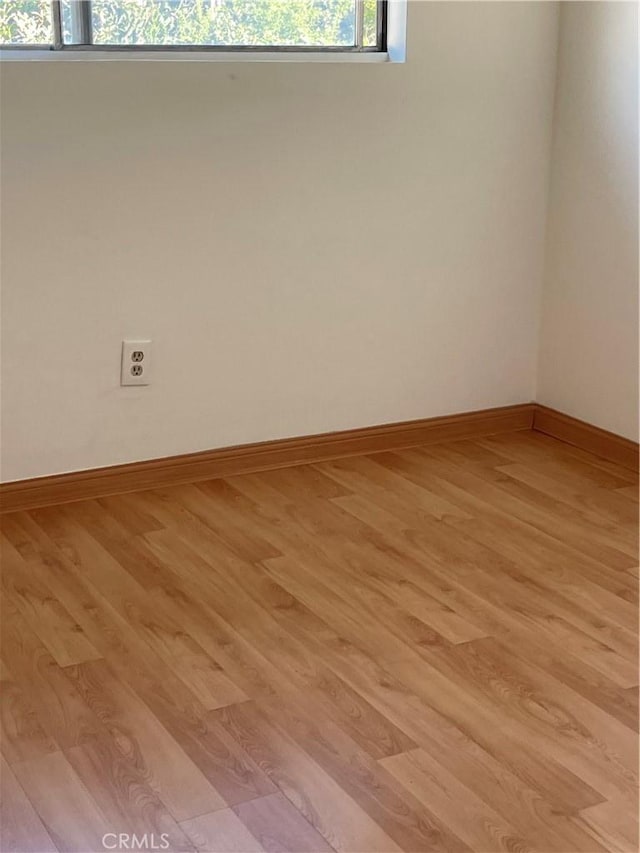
[589, 334]
[311, 247]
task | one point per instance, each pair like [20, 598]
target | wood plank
[39, 607]
[221, 832]
[482, 829]
[200, 673]
[21, 830]
[218, 757]
[119, 784]
[21, 733]
[561, 461]
[279, 827]
[408, 822]
[71, 816]
[178, 782]
[501, 779]
[544, 511]
[332, 812]
[552, 717]
[373, 731]
[612, 505]
[48, 691]
[450, 713]
[613, 823]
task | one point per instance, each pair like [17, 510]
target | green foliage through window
[266, 23]
[251, 22]
[25, 22]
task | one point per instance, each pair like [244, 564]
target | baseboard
[602, 443]
[225, 462]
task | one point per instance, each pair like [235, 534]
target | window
[301, 25]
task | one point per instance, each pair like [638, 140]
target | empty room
[319, 426]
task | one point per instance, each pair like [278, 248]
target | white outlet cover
[136, 363]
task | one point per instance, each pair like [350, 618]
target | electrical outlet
[136, 363]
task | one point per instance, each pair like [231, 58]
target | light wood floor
[426, 650]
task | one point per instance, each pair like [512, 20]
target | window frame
[89, 50]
